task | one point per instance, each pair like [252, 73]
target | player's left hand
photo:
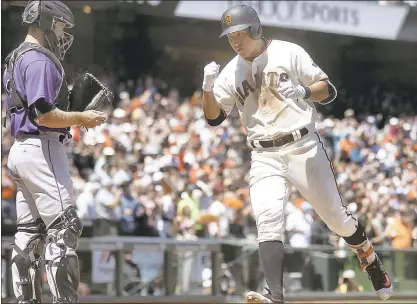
[289, 90]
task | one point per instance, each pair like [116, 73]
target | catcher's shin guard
[27, 266]
[62, 268]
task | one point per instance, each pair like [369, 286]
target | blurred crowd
[156, 169]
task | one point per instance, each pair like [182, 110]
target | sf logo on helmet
[228, 19]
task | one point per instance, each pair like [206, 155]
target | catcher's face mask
[59, 40]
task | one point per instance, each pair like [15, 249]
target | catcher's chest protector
[15, 101]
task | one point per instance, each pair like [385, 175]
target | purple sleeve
[42, 80]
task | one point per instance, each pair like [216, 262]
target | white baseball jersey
[241, 82]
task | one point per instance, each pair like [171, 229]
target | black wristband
[308, 93]
[218, 120]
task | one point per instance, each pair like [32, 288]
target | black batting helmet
[239, 18]
[45, 15]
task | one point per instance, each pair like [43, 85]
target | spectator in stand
[299, 223]
[347, 282]
[320, 233]
[129, 208]
[220, 228]
[86, 206]
[107, 209]
[399, 231]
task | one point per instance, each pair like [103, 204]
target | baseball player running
[48, 226]
[274, 85]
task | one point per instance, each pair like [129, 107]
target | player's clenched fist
[289, 90]
[211, 71]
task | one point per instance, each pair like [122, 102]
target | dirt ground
[156, 300]
[354, 302]
[213, 300]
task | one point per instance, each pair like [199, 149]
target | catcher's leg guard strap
[62, 267]
[27, 266]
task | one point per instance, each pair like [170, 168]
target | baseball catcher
[41, 112]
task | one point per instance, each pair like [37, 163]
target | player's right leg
[269, 192]
[29, 243]
[42, 164]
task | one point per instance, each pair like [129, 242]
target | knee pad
[61, 259]
[27, 267]
[65, 229]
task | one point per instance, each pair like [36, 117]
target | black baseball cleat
[254, 297]
[380, 279]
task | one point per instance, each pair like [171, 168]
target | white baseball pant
[40, 168]
[305, 165]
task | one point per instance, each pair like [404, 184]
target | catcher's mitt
[88, 94]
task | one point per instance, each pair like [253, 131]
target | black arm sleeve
[41, 106]
[332, 93]
[218, 120]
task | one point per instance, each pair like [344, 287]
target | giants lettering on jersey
[269, 79]
[244, 91]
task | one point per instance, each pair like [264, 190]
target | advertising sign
[340, 17]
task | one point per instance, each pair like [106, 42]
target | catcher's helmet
[239, 18]
[45, 15]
